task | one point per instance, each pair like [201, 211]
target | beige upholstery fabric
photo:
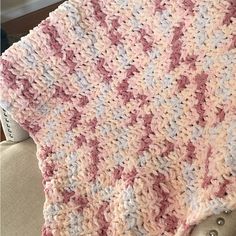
[22, 194]
[223, 224]
[12, 130]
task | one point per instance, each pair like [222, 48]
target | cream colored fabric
[12, 130]
[222, 225]
[22, 194]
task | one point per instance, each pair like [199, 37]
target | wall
[11, 9]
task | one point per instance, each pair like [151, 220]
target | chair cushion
[22, 194]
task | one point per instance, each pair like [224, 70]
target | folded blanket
[132, 107]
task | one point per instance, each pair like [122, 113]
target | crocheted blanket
[132, 107]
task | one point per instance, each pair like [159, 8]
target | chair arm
[12, 130]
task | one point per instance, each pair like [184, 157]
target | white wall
[11, 9]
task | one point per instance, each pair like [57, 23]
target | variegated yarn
[132, 106]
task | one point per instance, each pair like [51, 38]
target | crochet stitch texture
[132, 107]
